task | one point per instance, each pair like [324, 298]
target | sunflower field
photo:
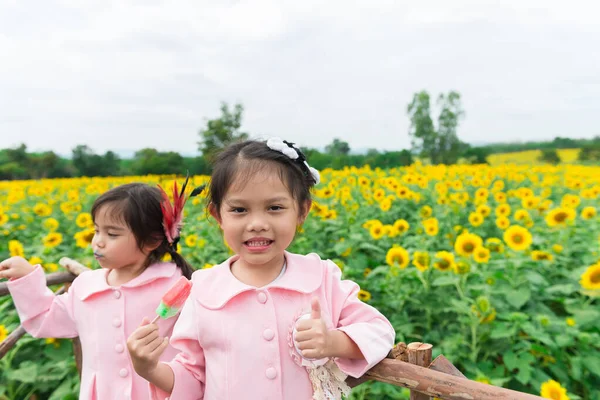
[497, 266]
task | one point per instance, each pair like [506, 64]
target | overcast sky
[125, 74]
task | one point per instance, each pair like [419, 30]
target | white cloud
[133, 74]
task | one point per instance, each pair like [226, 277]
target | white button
[268, 334]
[117, 294]
[271, 373]
[262, 297]
[119, 348]
[123, 373]
[116, 322]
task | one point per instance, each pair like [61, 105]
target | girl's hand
[145, 348]
[15, 268]
[312, 337]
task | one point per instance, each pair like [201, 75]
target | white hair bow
[294, 153]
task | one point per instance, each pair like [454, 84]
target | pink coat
[235, 339]
[103, 317]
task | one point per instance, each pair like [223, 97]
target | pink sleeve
[188, 365]
[367, 327]
[42, 313]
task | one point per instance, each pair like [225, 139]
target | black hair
[242, 160]
[138, 205]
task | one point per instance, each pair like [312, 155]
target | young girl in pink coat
[103, 307]
[266, 323]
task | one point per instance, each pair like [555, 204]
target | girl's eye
[276, 208]
[113, 235]
[238, 210]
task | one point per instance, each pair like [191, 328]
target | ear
[303, 212]
[215, 213]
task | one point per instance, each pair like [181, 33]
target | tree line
[433, 141]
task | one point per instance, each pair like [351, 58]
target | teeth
[258, 244]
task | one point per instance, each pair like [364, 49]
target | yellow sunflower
[84, 238]
[500, 197]
[476, 219]
[560, 216]
[466, 243]
[401, 226]
[484, 210]
[517, 238]
[51, 224]
[462, 268]
[84, 220]
[431, 226]
[522, 215]
[553, 390]
[385, 204]
[52, 239]
[42, 210]
[444, 261]
[503, 210]
[481, 255]
[364, 295]
[15, 248]
[590, 279]
[495, 245]
[397, 256]
[376, 231]
[588, 212]
[3, 333]
[421, 260]
[426, 212]
[502, 223]
[538, 255]
[191, 240]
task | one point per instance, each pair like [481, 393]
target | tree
[150, 161]
[338, 147]
[549, 156]
[221, 131]
[476, 155]
[87, 163]
[441, 145]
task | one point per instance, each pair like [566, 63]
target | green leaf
[502, 330]
[524, 374]
[536, 278]
[371, 247]
[584, 317]
[510, 360]
[592, 364]
[565, 289]
[563, 340]
[518, 298]
[575, 367]
[445, 280]
[26, 373]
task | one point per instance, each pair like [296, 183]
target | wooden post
[419, 354]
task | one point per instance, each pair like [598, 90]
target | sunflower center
[595, 278]
[397, 259]
[555, 394]
[518, 239]
[468, 247]
[560, 217]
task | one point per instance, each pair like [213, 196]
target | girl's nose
[258, 224]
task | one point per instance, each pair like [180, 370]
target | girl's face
[114, 244]
[259, 218]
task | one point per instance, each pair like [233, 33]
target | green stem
[474, 350]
